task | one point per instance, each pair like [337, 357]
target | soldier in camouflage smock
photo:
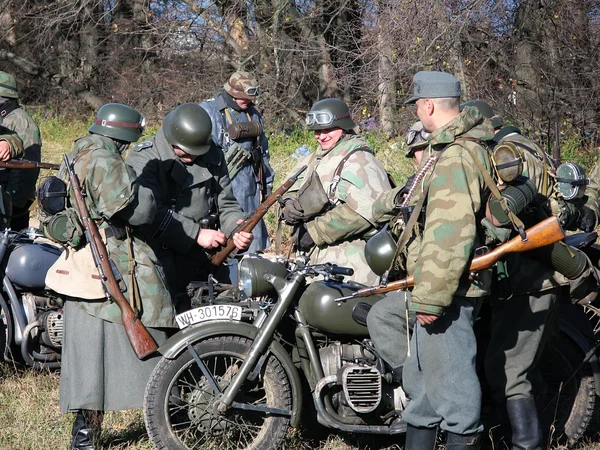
[330, 204]
[100, 372]
[19, 183]
[11, 147]
[439, 376]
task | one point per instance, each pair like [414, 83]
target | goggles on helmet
[323, 118]
[252, 91]
[413, 136]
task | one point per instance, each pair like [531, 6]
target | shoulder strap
[8, 107]
[338, 170]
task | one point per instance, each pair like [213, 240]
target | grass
[29, 411]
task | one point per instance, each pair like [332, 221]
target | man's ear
[429, 106]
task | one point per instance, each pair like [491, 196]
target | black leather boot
[463, 441]
[86, 430]
[526, 432]
[420, 438]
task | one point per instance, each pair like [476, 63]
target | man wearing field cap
[237, 128]
[439, 375]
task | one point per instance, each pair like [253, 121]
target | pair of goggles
[252, 91]
[416, 136]
[323, 118]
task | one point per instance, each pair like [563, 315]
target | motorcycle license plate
[206, 313]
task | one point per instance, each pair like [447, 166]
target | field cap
[242, 85]
[434, 85]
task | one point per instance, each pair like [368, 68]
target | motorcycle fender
[575, 324]
[177, 344]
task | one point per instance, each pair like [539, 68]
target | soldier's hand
[242, 239]
[293, 213]
[426, 319]
[210, 238]
[587, 221]
[4, 151]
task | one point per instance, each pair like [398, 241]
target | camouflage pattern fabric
[15, 142]
[8, 86]
[21, 184]
[338, 232]
[454, 208]
[110, 187]
[239, 82]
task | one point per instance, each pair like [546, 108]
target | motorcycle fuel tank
[319, 308]
[28, 264]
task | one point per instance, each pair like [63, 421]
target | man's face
[243, 103]
[184, 157]
[329, 137]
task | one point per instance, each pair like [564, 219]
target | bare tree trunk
[386, 87]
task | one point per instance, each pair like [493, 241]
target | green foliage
[572, 149]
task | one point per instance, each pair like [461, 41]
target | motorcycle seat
[581, 240]
[360, 312]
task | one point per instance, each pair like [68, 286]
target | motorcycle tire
[564, 422]
[178, 400]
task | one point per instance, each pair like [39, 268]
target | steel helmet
[189, 127]
[8, 86]
[486, 111]
[119, 122]
[329, 113]
[380, 250]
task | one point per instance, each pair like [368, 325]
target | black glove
[587, 220]
[569, 215]
[303, 240]
[399, 199]
[292, 212]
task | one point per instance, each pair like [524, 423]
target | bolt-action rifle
[248, 224]
[142, 342]
[24, 164]
[546, 232]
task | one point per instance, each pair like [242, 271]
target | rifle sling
[135, 299]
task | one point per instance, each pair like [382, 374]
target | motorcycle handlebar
[338, 270]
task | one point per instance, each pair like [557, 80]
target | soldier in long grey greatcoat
[246, 147]
[99, 370]
[20, 184]
[196, 208]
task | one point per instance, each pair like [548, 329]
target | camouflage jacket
[338, 232]
[184, 195]
[15, 142]
[21, 183]
[110, 191]
[455, 204]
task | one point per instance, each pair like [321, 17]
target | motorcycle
[31, 316]
[236, 374]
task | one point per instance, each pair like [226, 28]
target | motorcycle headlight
[251, 273]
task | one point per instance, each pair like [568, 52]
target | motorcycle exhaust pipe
[43, 361]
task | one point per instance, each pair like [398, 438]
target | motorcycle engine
[48, 312]
[357, 374]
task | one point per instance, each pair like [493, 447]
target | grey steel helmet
[189, 127]
[329, 113]
[380, 250]
[486, 111]
[118, 121]
[8, 86]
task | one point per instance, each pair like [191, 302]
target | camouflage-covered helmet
[8, 86]
[242, 85]
[416, 139]
[189, 127]
[329, 113]
[119, 122]
[486, 111]
[380, 250]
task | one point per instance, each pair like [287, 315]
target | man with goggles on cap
[237, 128]
[329, 206]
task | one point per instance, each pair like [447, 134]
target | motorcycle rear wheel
[178, 400]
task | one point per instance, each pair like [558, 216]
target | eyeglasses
[252, 91]
[323, 118]
[416, 136]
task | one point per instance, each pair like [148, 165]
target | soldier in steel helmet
[20, 184]
[196, 208]
[329, 206]
[99, 370]
[238, 130]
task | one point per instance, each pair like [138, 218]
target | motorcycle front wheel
[178, 404]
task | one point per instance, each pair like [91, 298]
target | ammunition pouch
[244, 130]
[518, 196]
[63, 227]
[210, 222]
[236, 157]
[313, 198]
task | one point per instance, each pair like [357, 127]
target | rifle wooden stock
[24, 164]
[248, 224]
[546, 232]
[141, 340]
